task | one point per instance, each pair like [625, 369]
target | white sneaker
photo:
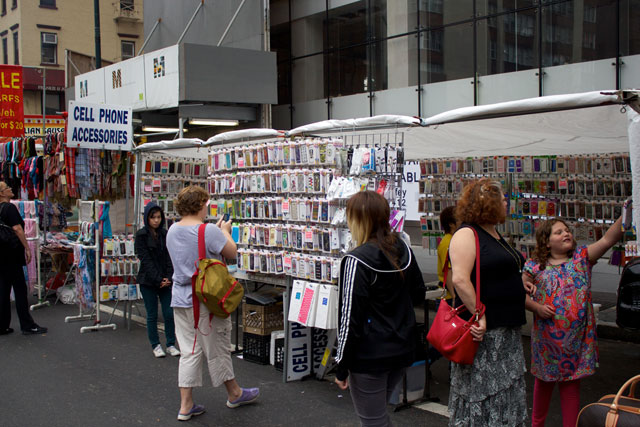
[158, 351]
[173, 351]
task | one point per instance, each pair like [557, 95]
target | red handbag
[449, 333]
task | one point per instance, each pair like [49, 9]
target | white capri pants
[212, 344]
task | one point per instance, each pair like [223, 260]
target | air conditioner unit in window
[49, 38]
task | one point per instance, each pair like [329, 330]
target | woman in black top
[491, 392]
[12, 275]
[154, 278]
[379, 283]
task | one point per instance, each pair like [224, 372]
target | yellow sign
[33, 125]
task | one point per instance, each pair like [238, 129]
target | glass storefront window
[578, 31]
[490, 7]
[441, 12]
[507, 43]
[280, 44]
[348, 25]
[629, 24]
[446, 53]
[307, 35]
[391, 62]
[308, 78]
[348, 73]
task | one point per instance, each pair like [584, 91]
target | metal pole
[127, 194]
[136, 192]
[44, 135]
[181, 126]
[96, 17]
[149, 36]
[233, 18]
[190, 21]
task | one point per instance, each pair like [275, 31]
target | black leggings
[370, 394]
[13, 276]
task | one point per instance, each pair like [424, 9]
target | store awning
[243, 135]
[170, 145]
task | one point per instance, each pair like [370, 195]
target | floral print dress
[564, 347]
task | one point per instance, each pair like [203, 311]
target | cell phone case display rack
[163, 177]
[287, 200]
[588, 191]
[86, 254]
[118, 269]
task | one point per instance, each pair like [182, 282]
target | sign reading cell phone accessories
[11, 105]
[99, 126]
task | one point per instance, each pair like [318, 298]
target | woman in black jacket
[154, 277]
[379, 284]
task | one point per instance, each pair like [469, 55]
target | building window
[14, 4]
[49, 48]
[5, 51]
[128, 49]
[47, 3]
[126, 5]
[16, 49]
[4, 7]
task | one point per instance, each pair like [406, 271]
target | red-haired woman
[379, 283]
[563, 338]
[491, 391]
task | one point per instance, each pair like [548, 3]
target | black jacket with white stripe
[377, 321]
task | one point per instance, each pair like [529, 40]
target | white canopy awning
[353, 124]
[578, 131]
[170, 145]
[242, 134]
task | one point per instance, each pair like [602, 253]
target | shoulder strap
[202, 249]
[446, 269]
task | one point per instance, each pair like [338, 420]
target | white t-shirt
[182, 243]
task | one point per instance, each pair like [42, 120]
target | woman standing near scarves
[491, 392]
[11, 263]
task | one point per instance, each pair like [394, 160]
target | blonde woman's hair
[368, 219]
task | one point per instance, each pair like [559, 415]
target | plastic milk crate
[262, 319]
[256, 348]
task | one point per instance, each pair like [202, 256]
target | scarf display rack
[21, 167]
[87, 265]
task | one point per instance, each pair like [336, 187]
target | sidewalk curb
[611, 331]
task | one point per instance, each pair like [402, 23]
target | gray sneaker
[158, 351]
[173, 351]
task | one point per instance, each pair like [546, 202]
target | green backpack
[213, 285]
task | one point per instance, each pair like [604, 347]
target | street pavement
[106, 378]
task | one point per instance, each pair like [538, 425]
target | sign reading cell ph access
[99, 126]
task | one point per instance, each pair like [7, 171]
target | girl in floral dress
[563, 338]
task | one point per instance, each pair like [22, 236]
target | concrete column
[398, 49]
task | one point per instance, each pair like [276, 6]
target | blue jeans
[150, 295]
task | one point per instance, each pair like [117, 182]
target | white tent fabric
[578, 131]
[169, 145]
[524, 106]
[236, 135]
[353, 124]
[634, 156]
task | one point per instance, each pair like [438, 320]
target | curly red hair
[481, 203]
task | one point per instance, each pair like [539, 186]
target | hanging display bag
[613, 410]
[450, 334]
[213, 285]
